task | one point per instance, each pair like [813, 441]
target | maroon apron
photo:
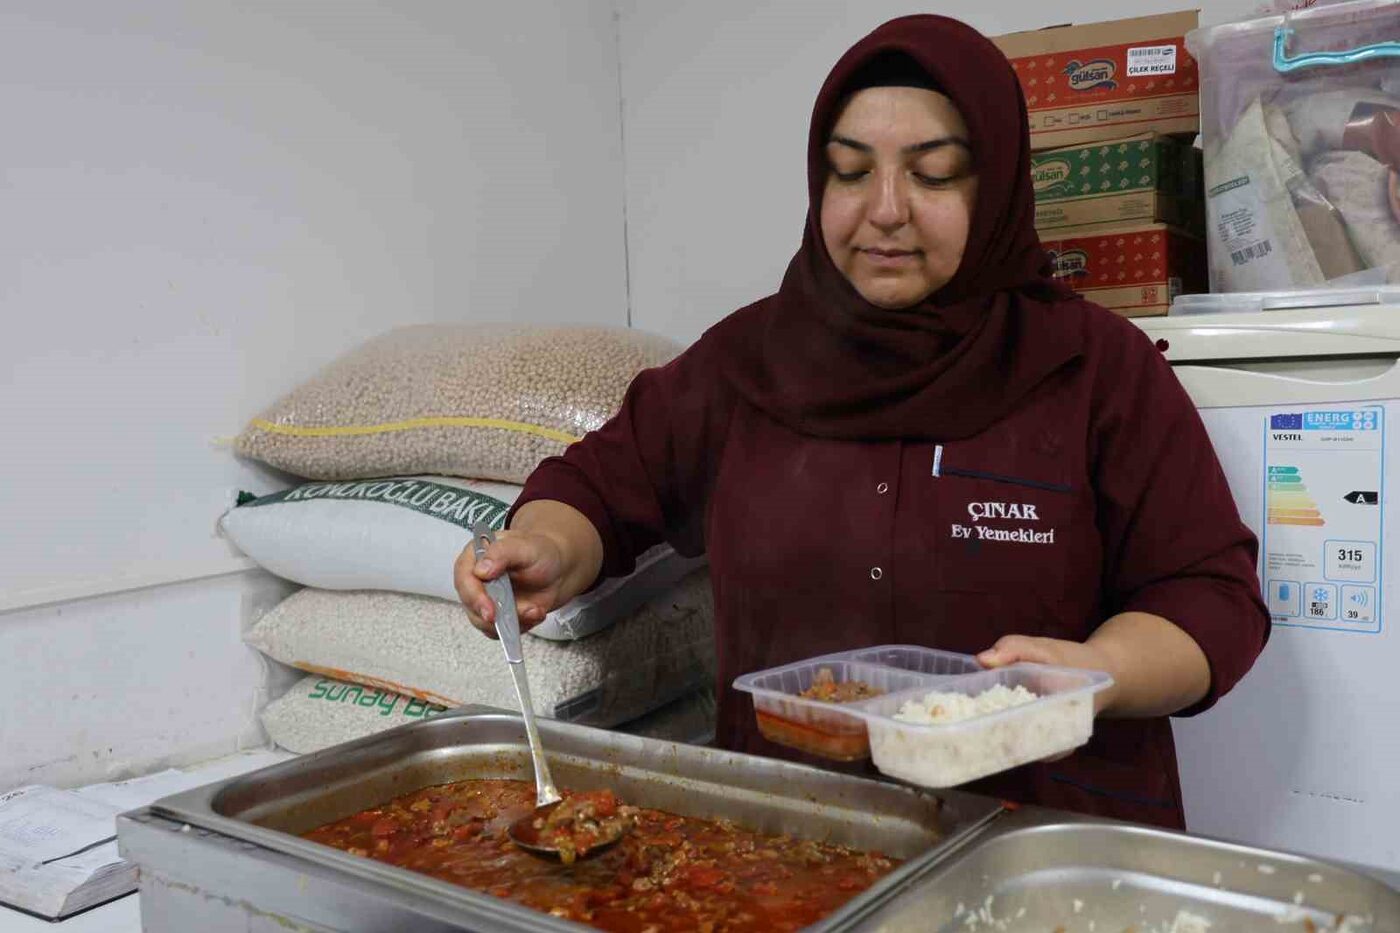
[852, 544]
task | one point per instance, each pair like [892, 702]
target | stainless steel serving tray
[269, 808]
[1042, 870]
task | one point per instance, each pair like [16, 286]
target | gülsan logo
[1070, 264]
[1049, 174]
[1088, 76]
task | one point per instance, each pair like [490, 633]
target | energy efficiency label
[1324, 476]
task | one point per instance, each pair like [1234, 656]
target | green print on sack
[417, 709]
[385, 702]
[462, 507]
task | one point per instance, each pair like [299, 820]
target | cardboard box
[1107, 80]
[1146, 178]
[1134, 270]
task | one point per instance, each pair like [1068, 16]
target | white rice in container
[946, 739]
[954, 707]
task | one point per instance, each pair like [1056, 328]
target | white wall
[201, 203]
[716, 99]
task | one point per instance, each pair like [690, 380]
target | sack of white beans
[487, 401]
[403, 535]
[318, 712]
[425, 648]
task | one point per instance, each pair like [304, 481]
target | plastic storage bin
[935, 754]
[1300, 123]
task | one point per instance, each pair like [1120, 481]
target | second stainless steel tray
[1040, 870]
[270, 808]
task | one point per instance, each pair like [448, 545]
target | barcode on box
[1152, 60]
[1258, 250]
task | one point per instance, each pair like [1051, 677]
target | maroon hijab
[822, 360]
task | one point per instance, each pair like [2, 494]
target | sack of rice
[403, 535]
[690, 720]
[319, 712]
[425, 648]
[487, 401]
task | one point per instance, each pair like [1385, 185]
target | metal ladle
[522, 831]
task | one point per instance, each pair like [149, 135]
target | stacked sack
[407, 442]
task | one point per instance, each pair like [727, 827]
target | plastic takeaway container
[930, 754]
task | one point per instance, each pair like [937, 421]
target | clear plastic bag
[1302, 157]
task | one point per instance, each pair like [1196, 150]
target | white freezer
[1303, 406]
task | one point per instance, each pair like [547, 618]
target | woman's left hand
[1157, 668]
[1057, 651]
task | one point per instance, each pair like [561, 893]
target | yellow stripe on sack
[353, 430]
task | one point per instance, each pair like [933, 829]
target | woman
[923, 439]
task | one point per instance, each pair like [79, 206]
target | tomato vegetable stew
[826, 688]
[577, 825]
[837, 736]
[837, 740]
[669, 873]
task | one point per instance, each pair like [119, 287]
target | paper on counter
[40, 824]
[92, 860]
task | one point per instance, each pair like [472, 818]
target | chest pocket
[1005, 533]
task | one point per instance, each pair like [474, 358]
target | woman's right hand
[536, 567]
[551, 552]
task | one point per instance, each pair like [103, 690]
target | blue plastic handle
[1284, 64]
